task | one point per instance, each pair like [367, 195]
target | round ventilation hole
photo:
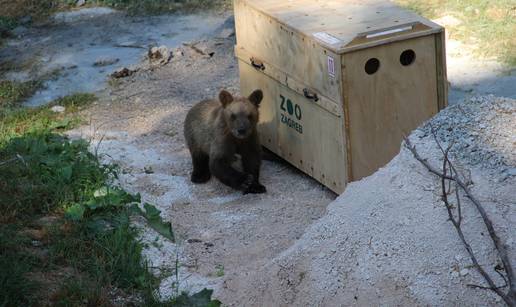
[407, 57]
[372, 66]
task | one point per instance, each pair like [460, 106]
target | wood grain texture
[385, 106]
[342, 19]
[313, 142]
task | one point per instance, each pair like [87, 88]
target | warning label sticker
[331, 67]
[327, 38]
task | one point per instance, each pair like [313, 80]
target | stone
[160, 55]
[58, 109]
[122, 73]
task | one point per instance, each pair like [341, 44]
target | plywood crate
[343, 81]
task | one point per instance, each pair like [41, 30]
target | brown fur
[217, 130]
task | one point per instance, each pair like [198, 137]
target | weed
[16, 288]
[12, 92]
[17, 121]
[6, 25]
[220, 270]
[79, 291]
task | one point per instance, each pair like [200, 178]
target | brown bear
[216, 131]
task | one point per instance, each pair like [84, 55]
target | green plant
[16, 121]
[489, 24]
[43, 173]
[220, 270]
[16, 288]
[13, 92]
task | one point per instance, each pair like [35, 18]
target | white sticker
[327, 38]
[387, 32]
[331, 67]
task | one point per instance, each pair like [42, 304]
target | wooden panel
[306, 135]
[342, 19]
[287, 50]
[386, 105]
[442, 79]
[290, 82]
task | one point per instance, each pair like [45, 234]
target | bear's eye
[233, 116]
[250, 116]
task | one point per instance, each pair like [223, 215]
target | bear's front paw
[198, 177]
[255, 188]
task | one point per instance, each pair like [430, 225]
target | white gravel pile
[483, 132]
[387, 239]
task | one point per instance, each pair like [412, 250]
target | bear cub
[216, 131]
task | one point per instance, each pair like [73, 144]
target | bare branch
[500, 247]
[510, 297]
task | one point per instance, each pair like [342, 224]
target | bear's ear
[256, 97]
[225, 98]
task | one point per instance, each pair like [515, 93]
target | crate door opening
[306, 133]
[391, 90]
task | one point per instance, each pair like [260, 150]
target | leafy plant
[44, 173]
[154, 220]
[201, 299]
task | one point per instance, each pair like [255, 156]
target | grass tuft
[16, 288]
[488, 24]
[12, 93]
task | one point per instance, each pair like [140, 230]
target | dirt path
[225, 234]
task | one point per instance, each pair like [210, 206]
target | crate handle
[309, 94]
[257, 64]
[390, 31]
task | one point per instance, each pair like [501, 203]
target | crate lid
[346, 25]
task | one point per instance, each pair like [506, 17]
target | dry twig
[449, 173]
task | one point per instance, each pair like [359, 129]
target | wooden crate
[343, 81]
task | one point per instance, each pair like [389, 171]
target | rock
[464, 272]
[80, 2]
[122, 73]
[159, 55]
[105, 62]
[58, 109]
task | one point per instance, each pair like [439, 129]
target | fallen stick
[509, 297]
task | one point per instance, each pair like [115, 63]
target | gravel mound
[387, 239]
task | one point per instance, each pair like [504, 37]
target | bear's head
[241, 113]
